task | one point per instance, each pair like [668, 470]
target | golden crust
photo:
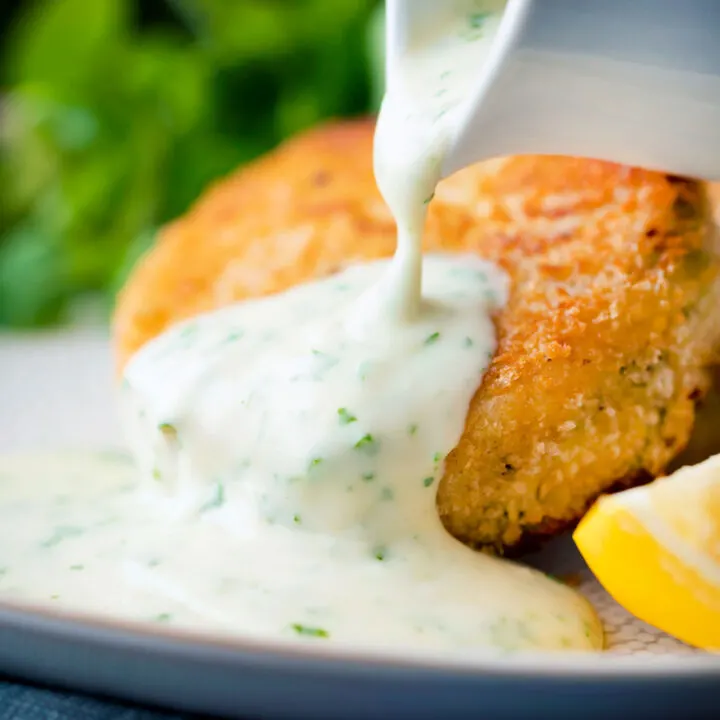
[602, 346]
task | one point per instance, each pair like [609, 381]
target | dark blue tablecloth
[25, 702]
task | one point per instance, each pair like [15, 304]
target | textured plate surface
[56, 391]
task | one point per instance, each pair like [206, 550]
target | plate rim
[75, 626]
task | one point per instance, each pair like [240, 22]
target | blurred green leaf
[58, 40]
[108, 131]
[376, 55]
[32, 279]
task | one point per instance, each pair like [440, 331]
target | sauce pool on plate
[287, 450]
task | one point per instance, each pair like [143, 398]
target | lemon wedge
[656, 550]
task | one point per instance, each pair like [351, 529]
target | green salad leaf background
[110, 125]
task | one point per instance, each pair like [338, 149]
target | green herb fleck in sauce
[412, 429]
[116, 456]
[77, 567]
[235, 335]
[310, 631]
[367, 444]
[315, 462]
[163, 617]
[477, 20]
[168, 430]
[380, 553]
[217, 500]
[345, 416]
[428, 481]
[63, 532]
[364, 370]
[325, 360]
[297, 519]
[432, 339]
[437, 457]
[323, 355]
[387, 494]
[428, 199]
[468, 342]
[157, 475]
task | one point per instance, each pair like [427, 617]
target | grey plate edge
[149, 638]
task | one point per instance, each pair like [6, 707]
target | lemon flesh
[656, 550]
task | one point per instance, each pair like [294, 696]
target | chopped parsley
[428, 199]
[387, 494]
[217, 500]
[325, 356]
[62, 532]
[380, 553]
[297, 519]
[477, 20]
[368, 476]
[324, 362]
[468, 342]
[364, 370]
[437, 457]
[412, 429]
[315, 462]
[310, 631]
[168, 430]
[163, 617]
[368, 444]
[432, 339]
[428, 481]
[115, 456]
[345, 416]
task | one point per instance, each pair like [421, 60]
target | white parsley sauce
[289, 448]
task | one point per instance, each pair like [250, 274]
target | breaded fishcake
[602, 345]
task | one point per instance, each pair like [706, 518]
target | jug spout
[630, 81]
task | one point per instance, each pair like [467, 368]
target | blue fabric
[25, 702]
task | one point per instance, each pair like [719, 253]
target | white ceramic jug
[629, 81]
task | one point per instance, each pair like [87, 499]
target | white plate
[56, 391]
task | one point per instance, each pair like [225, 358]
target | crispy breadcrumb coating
[603, 344]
